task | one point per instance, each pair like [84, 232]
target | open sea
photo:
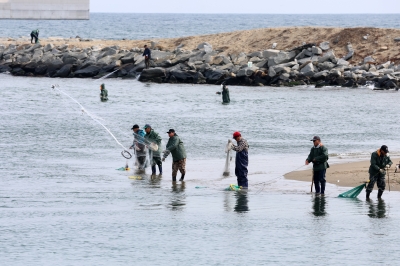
[62, 201]
[154, 26]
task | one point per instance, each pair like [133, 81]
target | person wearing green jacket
[319, 157]
[155, 156]
[379, 161]
[103, 93]
[225, 94]
[35, 35]
[176, 148]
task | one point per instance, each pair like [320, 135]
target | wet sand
[349, 174]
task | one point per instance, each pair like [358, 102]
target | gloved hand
[382, 171]
[137, 148]
[163, 159]
[388, 165]
[229, 141]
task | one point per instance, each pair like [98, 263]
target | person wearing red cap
[242, 159]
[319, 157]
[379, 161]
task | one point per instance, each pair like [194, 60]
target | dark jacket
[320, 155]
[175, 146]
[225, 95]
[378, 162]
[147, 53]
[155, 138]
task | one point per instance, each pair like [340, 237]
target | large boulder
[151, 73]
[64, 71]
[89, 71]
[368, 60]
[270, 53]
[246, 72]
[184, 76]
[40, 70]
[330, 55]
[128, 58]
[326, 66]
[181, 58]
[239, 59]
[308, 70]
[205, 46]
[48, 47]
[282, 57]
[5, 68]
[213, 75]
[316, 50]
[324, 46]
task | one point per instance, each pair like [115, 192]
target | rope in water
[270, 181]
[125, 153]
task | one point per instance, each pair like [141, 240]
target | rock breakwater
[310, 63]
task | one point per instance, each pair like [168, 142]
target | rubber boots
[153, 170]
[380, 192]
[367, 195]
[182, 177]
[174, 179]
[160, 169]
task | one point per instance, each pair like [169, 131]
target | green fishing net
[352, 193]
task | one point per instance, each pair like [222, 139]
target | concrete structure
[44, 9]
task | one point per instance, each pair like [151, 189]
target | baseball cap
[171, 131]
[135, 126]
[316, 138]
[147, 126]
[385, 148]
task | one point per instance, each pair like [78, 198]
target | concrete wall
[44, 9]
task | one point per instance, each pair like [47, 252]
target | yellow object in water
[136, 177]
[233, 187]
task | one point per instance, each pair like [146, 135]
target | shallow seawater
[63, 202]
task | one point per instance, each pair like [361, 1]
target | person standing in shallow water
[242, 159]
[176, 148]
[103, 93]
[319, 157]
[225, 94]
[379, 161]
[147, 56]
[155, 159]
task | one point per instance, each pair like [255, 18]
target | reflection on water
[178, 196]
[377, 210]
[319, 203]
[241, 201]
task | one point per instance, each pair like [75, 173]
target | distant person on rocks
[319, 157]
[176, 148]
[242, 159]
[139, 147]
[155, 158]
[147, 56]
[103, 93]
[379, 161]
[35, 35]
[225, 94]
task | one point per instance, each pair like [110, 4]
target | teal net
[352, 193]
[232, 188]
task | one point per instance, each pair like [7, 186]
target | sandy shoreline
[349, 174]
[375, 42]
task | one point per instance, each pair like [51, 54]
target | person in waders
[153, 137]
[379, 161]
[139, 147]
[242, 159]
[176, 148]
[103, 93]
[35, 35]
[225, 94]
[319, 157]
